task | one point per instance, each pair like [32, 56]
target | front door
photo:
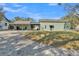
[18, 28]
[11, 27]
[51, 27]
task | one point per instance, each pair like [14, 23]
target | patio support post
[22, 27]
[14, 27]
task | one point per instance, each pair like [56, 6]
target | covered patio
[20, 25]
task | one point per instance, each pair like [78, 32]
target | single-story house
[44, 24]
[4, 23]
[24, 25]
[20, 25]
[35, 26]
[77, 28]
[50, 25]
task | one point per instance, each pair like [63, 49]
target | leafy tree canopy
[72, 14]
[23, 19]
[1, 13]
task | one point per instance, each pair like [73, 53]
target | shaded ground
[13, 43]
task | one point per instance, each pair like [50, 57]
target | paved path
[13, 43]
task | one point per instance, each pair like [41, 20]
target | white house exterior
[46, 25]
[52, 25]
[4, 24]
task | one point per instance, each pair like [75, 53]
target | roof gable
[4, 19]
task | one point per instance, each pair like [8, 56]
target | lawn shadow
[61, 43]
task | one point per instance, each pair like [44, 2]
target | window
[45, 26]
[51, 27]
[5, 24]
[66, 25]
[0, 26]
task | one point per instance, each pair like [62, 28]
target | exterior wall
[57, 26]
[21, 26]
[3, 26]
[28, 27]
[35, 26]
[43, 26]
[67, 26]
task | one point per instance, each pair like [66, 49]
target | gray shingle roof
[35, 23]
[52, 20]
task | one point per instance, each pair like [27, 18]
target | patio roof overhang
[35, 23]
[20, 22]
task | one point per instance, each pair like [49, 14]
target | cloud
[56, 18]
[13, 10]
[36, 16]
[9, 9]
[24, 11]
[14, 4]
[17, 5]
[18, 8]
[53, 4]
[2, 4]
[5, 8]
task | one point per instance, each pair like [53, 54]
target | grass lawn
[65, 39]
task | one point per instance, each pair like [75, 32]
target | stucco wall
[2, 24]
[57, 26]
[22, 27]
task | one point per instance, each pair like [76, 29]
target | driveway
[13, 43]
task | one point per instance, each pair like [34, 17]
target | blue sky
[34, 10]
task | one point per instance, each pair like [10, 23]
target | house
[20, 25]
[77, 28]
[35, 26]
[51, 25]
[24, 25]
[44, 24]
[4, 23]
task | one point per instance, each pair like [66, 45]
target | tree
[23, 19]
[74, 20]
[72, 14]
[2, 13]
[29, 19]
[18, 18]
[70, 8]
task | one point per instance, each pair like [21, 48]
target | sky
[34, 10]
